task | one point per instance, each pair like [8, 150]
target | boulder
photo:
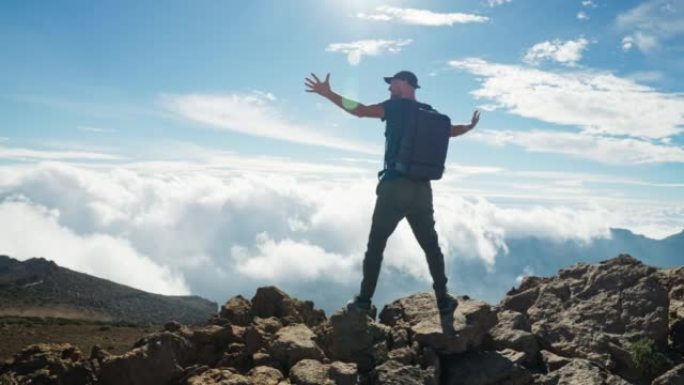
[265, 375]
[553, 362]
[237, 311]
[314, 372]
[294, 343]
[217, 376]
[395, 373]
[156, 360]
[513, 332]
[58, 364]
[483, 368]
[343, 373]
[310, 372]
[272, 302]
[580, 372]
[418, 313]
[350, 336]
[209, 343]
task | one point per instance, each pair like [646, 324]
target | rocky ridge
[616, 322]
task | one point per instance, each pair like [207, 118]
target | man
[398, 195]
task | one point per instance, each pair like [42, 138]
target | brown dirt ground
[18, 333]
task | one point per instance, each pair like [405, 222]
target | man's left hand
[474, 120]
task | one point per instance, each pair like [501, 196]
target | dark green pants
[396, 199]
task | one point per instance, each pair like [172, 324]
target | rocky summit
[616, 322]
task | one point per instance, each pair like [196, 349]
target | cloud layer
[195, 228]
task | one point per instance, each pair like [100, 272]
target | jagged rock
[520, 301]
[471, 321]
[8, 378]
[405, 355]
[294, 343]
[310, 372]
[483, 368]
[674, 376]
[553, 362]
[155, 360]
[344, 373]
[265, 375]
[172, 326]
[515, 356]
[47, 364]
[236, 357]
[597, 311]
[396, 373]
[218, 376]
[237, 310]
[513, 332]
[261, 333]
[580, 372]
[673, 281]
[353, 337]
[314, 372]
[210, 342]
[399, 338]
[272, 302]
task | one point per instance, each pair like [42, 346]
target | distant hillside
[546, 256]
[38, 287]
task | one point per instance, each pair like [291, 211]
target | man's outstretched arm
[461, 129]
[355, 108]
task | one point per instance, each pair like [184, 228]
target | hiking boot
[359, 305]
[447, 305]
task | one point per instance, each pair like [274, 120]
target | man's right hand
[317, 86]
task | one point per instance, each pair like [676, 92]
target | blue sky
[179, 135]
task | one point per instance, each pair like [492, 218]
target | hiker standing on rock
[412, 159]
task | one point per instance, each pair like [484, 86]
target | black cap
[405, 75]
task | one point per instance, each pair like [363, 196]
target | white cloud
[496, 3]
[29, 154]
[582, 16]
[588, 3]
[597, 102]
[650, 23]
[565, 52]
[36, 232]
[642, 41]
[357, 49]
[601, 149]
[255, 114]
[421, 16]
[289, 259]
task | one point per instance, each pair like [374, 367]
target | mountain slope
[38, 287]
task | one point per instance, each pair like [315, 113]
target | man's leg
[422, 222]
[386, 216]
